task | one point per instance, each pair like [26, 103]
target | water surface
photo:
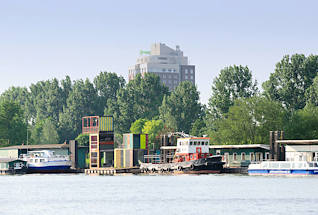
[183, 194]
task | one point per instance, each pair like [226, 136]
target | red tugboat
[192, 156]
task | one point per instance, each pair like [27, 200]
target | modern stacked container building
[133, 150]
[101, 140]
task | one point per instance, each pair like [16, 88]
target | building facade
[169, 64]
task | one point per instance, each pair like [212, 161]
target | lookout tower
[101, 139]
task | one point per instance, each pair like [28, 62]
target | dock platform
[111, 171]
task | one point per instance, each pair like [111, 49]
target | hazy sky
[43, 39]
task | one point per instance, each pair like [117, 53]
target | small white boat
[46, 161]
[283, 168]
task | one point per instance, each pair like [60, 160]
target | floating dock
[112, 171]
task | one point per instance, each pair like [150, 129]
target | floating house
[78, 153]
[133, 150]
[101, 140]
[241, 155]
[11, 166]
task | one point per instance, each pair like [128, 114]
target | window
[191, 71]
[186, 71]
[186, 77]
[243, 156]
[164, 70]
[41, 160]
[234, 156]
[267, 156]
[191, 143]
[252, 156]
[191, 76]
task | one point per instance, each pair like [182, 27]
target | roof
[297, 142]
[168, 147]
[244, 146]
[44, 146]
[195, 138]
[8, 160]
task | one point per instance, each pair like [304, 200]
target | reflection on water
[183, 194]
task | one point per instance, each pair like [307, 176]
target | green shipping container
[143, 141]
[106, 123]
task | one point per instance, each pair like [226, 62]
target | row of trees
[237, 112]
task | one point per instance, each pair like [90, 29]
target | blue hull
[282, 172]
[48, 169]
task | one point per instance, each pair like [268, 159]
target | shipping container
[143, 141]
[128, 158]
[133, 141]
[138, 156]
[106, 123]
[118, 158]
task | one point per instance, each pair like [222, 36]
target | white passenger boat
[46, 161]
[283, 168]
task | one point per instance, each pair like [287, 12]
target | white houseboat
[46, 161]
[284, 168]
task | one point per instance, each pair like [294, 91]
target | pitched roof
[44, 146]
[7, 160]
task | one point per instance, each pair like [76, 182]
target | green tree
[182, 108]
[249, 121]
[153, 129]
[44, 132]
[12, 122]
[303, 124]
[198, 128]
[312, 93]
[140, 98]
[107, 85]
[137, 126]
[83, 139]
[82, 101]
[292, 77]
[21, 95]
[232, 83]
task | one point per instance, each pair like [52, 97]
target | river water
[162, 195]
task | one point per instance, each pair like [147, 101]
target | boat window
[31, 160]
[252, 156]
[41, 160]
[311, 164]
[234, 156]
[243, 156]
[36, 160]
[191, 143]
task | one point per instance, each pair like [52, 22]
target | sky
[41, 40]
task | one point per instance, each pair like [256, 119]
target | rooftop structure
[169, 64]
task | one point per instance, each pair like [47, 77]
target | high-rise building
[169, 64]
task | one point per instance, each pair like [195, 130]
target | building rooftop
[297, 142]
[44, 146]
[7, 160]
[244, 146]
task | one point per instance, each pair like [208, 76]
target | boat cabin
[192, 148]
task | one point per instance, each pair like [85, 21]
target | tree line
[237, 112]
